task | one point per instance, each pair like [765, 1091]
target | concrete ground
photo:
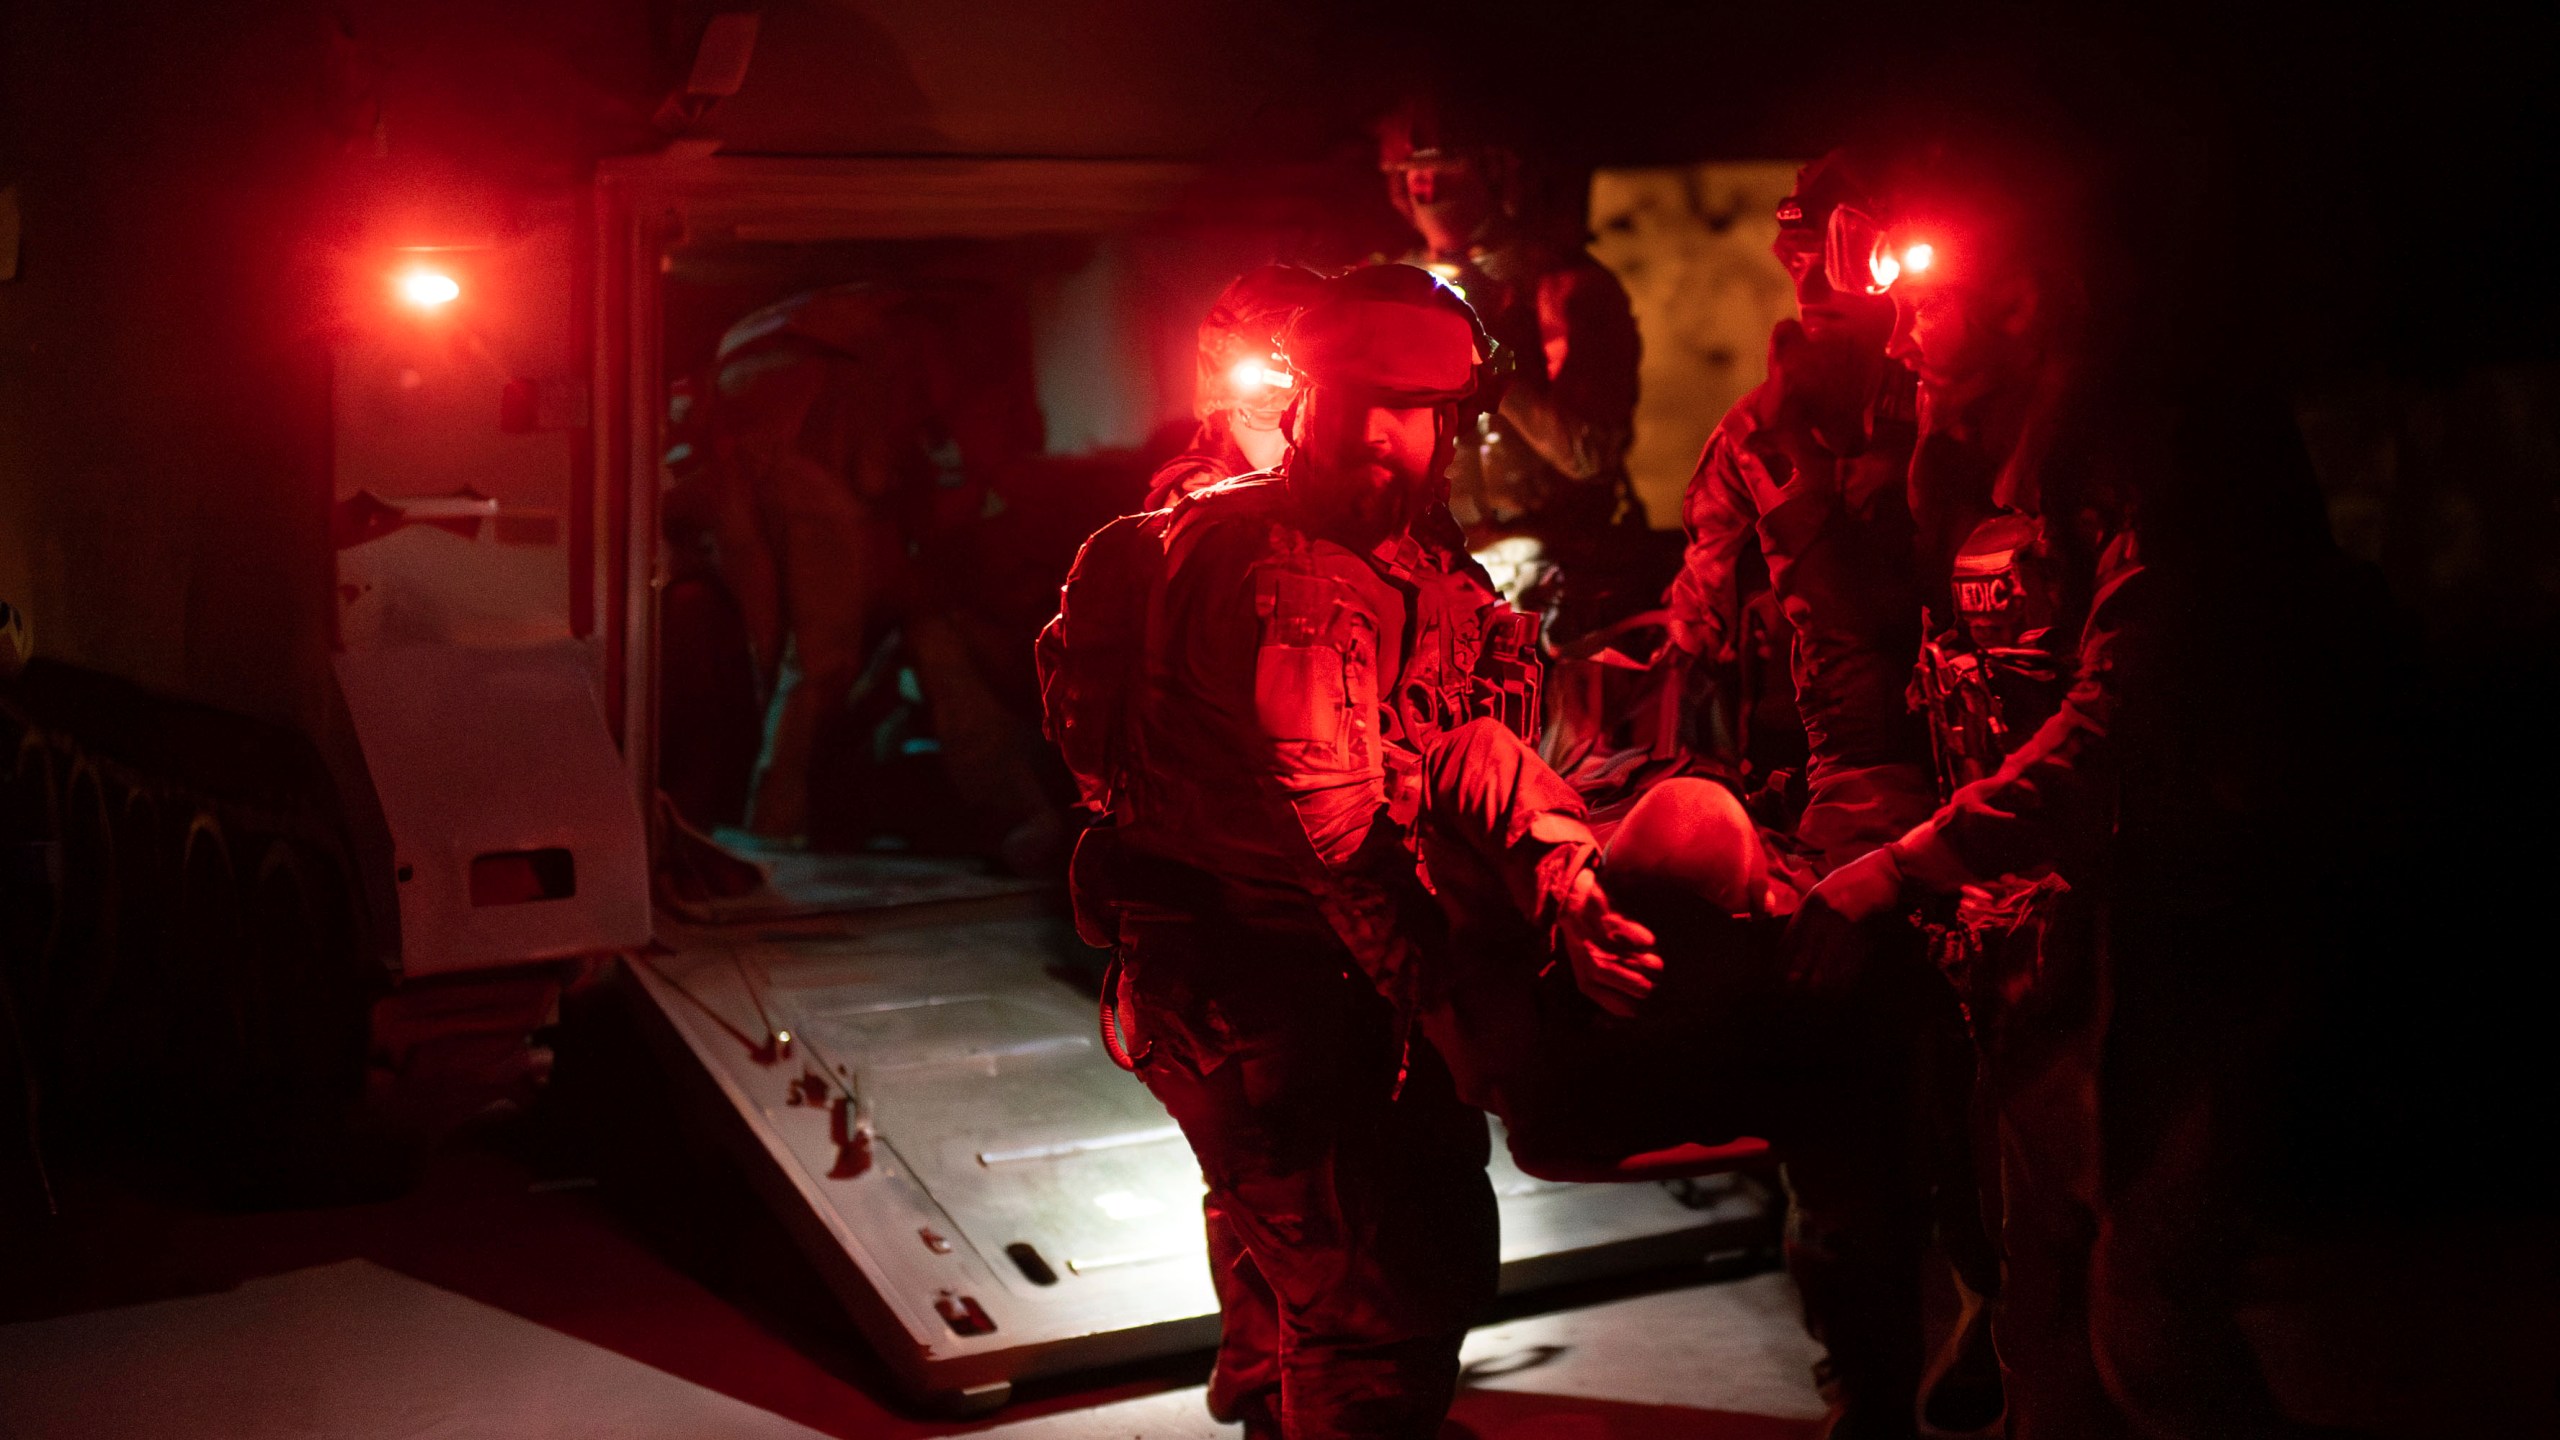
[490, 1301]
[582, 1270]
[354, 1348]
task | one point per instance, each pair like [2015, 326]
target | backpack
[1092, 655]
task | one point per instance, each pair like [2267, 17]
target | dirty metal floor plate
[1024, 1207]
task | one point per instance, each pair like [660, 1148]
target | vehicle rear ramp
[921, 1093]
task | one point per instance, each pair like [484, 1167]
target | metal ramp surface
[1021, 1206]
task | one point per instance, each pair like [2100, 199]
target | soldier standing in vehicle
[1812, 464]
[1546, 469]
[860, 430]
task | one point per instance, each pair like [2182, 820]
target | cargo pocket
[1300, 682]
[1164, 1010]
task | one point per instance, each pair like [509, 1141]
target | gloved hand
[1612, 956]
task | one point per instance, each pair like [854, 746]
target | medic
[1248, 685]
[1548, 464]
[1981, 314]
[2136, 677]
[1244, 388]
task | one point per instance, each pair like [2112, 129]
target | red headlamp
[1250, 378]
[1861, 257]
[1253, 375]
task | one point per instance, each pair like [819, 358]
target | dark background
[2340, 209]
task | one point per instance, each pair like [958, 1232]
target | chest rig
[1464, 656]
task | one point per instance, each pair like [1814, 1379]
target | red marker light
[1917, 258]
[427, 289]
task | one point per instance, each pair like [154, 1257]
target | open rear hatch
[920, 1090]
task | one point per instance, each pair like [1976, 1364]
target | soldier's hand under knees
[1866, 887]
[1612, 956]
[1830, 948]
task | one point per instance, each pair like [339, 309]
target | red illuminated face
[1371, 468]
[1965, 341]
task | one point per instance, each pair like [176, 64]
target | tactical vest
[1498, 482]
[1463, 658]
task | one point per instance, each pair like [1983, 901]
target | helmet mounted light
[1253, 375]
[1254, 385]
[1450, 275]
[1240, 365]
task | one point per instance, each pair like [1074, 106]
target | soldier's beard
[1364, 501]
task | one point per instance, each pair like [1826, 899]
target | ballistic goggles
[1861, 256]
